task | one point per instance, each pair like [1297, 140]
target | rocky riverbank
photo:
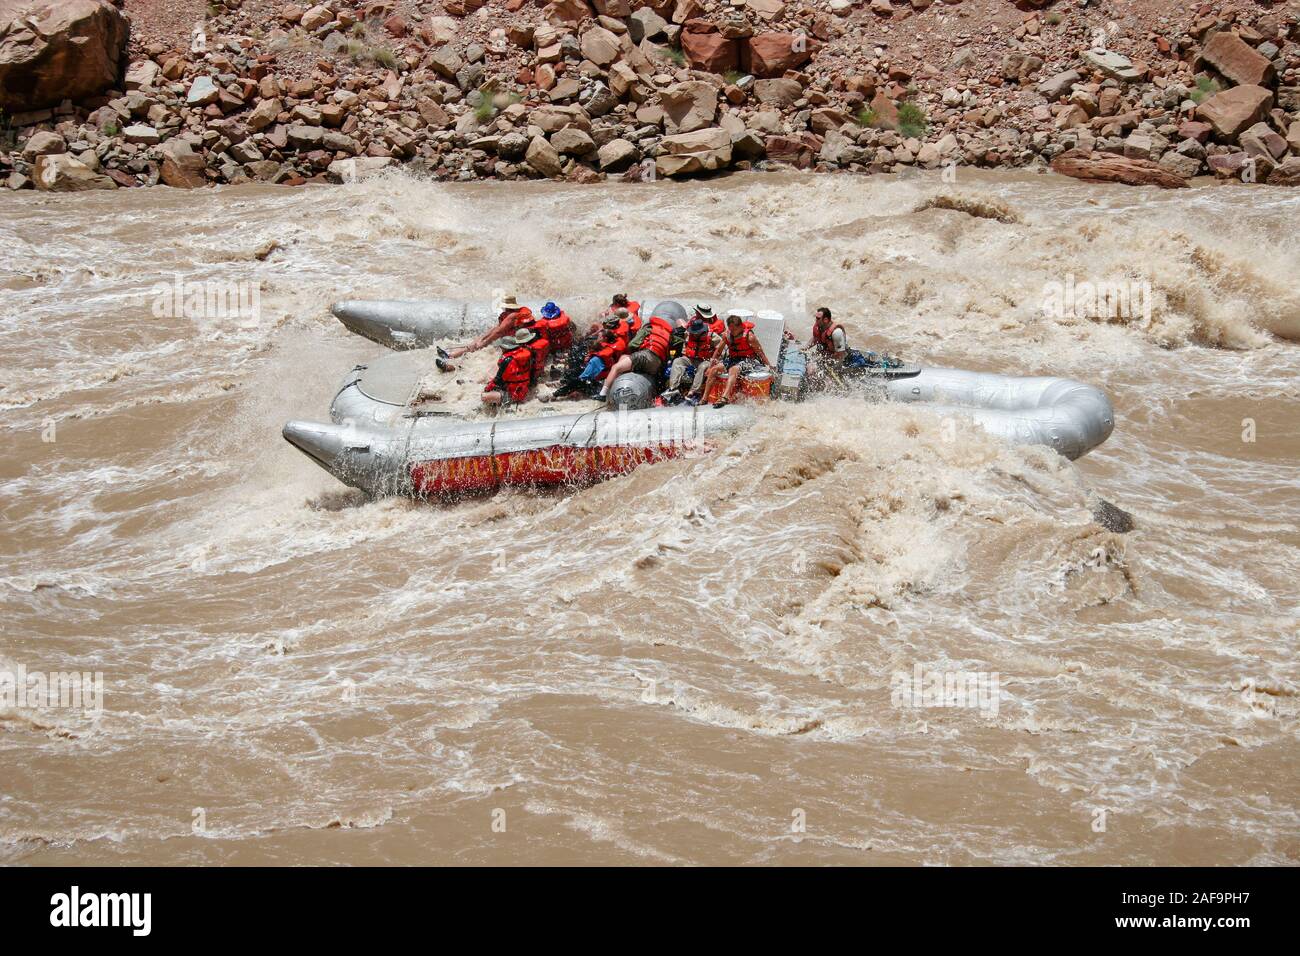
[247, 90]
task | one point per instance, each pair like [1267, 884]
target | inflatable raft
[382, 439]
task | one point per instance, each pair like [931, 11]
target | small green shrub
[866, 116]
[1205, 87]
[912, 121]
[362, 53]
[676, 55]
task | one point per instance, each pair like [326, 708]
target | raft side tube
[418, 323]
[430, 455]
[1063, 414]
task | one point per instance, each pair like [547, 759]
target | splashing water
[673, 665]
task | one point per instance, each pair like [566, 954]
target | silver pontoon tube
[392, 459]
[418, 323]
[1060, 413]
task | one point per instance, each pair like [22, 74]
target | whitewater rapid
[668, 666]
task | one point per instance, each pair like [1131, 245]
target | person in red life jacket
[514, 375]
[743, 352]
[559, 332]
[715, 324]
[619, 302]
[512, 316]
[693, 362]
[540, 346]
[647, 354]
[828, 338]
[620, 320]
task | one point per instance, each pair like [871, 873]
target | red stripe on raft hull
[556, 465]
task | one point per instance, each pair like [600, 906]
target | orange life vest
[824, 340]
[560, 332]
[658, 338]
[607, 352]
[515, 372]
[698, 346]
[540, 348]
[739, 347]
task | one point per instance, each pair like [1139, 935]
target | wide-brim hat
[550, 310]
[704, 311]
[524, 336]
[509, 302]
[697, 326]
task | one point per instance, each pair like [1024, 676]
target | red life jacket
[718, 327]
[515, 372]
[823, 340]
[698, 346]
[560, 332]
[658, 338]
[540, 347]
[607, 352]
[739, 347]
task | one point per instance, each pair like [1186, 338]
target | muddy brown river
[699, 662]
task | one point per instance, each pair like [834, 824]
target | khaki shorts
[645, 362]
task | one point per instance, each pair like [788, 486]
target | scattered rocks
[336, 90]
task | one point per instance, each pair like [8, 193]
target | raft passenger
[744, 353]
[512, 316]
[693, 362]
[648, 352]
[514, 375]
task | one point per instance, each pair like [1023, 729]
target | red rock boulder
[52, 50]
[771, 54]
[711, 52]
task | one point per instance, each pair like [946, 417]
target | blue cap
[550, 310]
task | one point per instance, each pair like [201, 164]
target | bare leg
[732, 375]
[709, 378]
[622, 365]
